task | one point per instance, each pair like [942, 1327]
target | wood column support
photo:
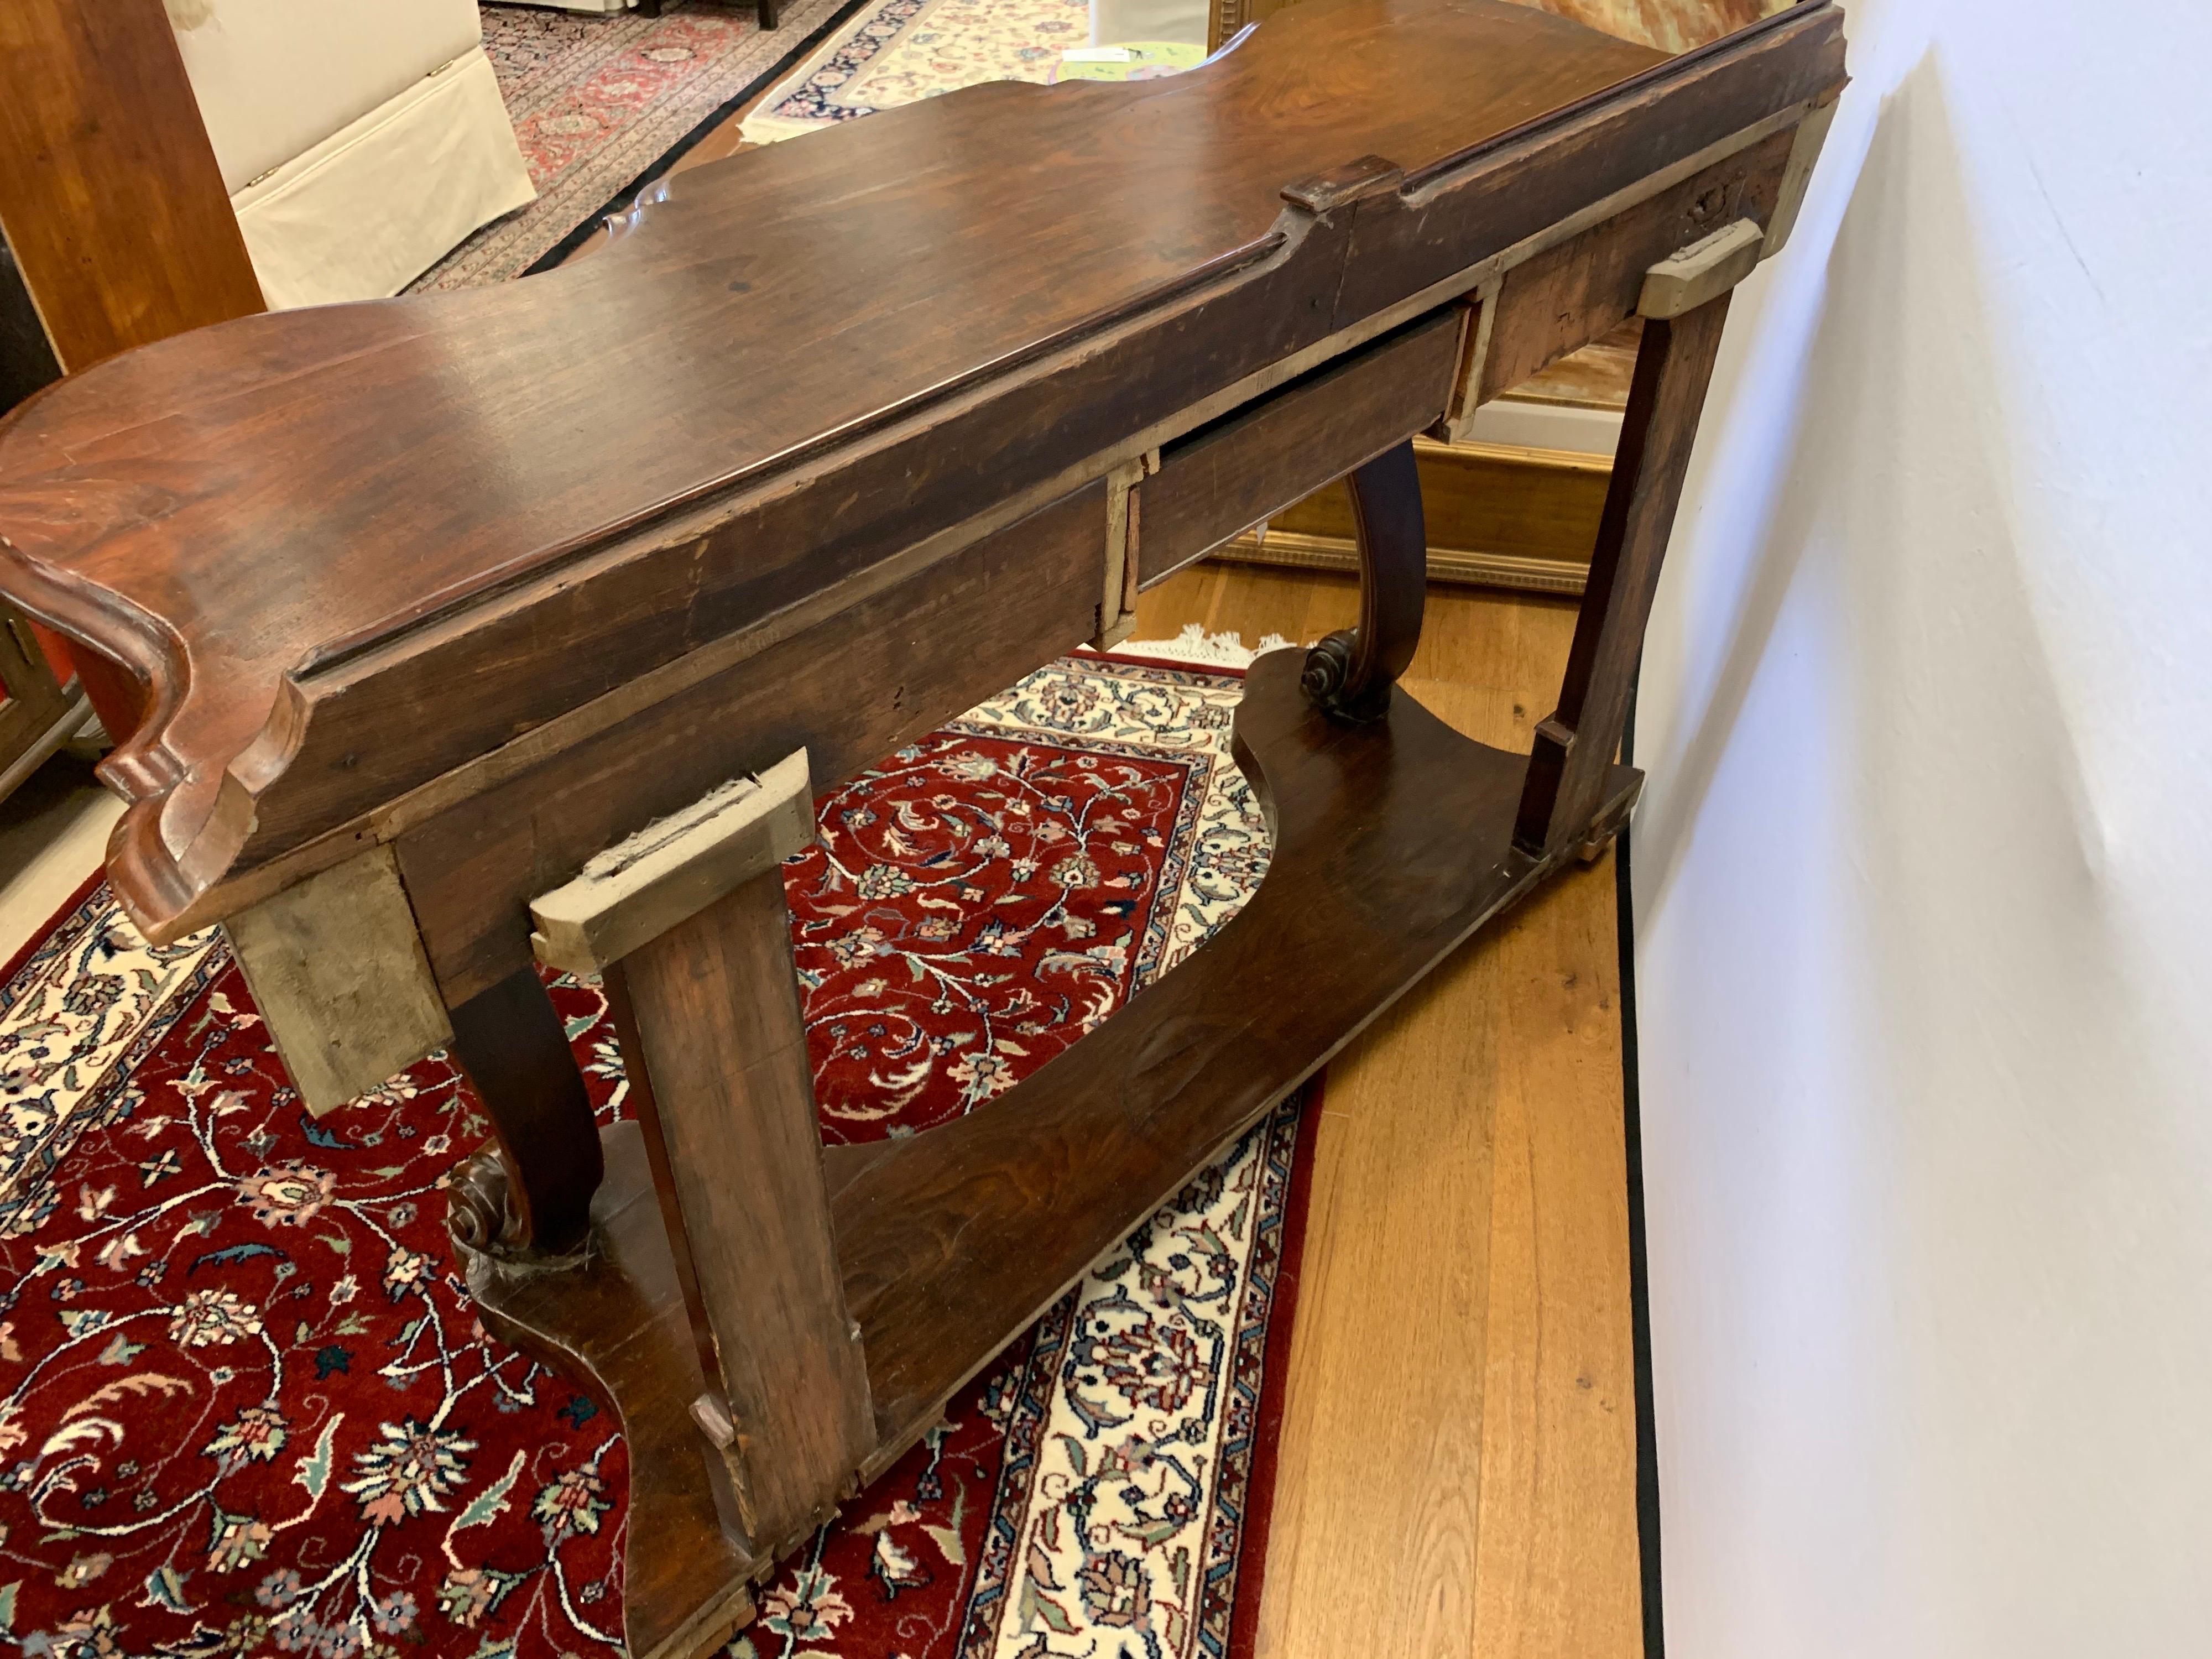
[714, 1026]
[510, 1041]
[1575, 745]
[1350, 674]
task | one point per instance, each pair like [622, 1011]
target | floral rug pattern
[900, 52]
[598, 97]
[245, 1404]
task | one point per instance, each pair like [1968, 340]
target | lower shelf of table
[1392, 846]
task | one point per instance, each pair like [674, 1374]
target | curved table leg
[1350, 674]
[510, 1041]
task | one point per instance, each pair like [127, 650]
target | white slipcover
[360, 139]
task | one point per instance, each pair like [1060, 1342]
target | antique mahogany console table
[481, 628]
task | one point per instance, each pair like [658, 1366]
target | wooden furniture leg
[715, 1026]
[510, 1041]
[686, 923]
[1575, 745]
[1350, 674]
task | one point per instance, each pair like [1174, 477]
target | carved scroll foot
[477, 1214]
[1349, 674]
[1328, 669]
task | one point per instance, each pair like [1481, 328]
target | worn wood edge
[339, 974]
[548, 739]
[1292, 549]
[1797, 175]
[709, 1626]
[669, 871]
[1116, 617]
[1803, 17]
[1324, 380]
[1706, 269]
[196, 879]
[1467, 380]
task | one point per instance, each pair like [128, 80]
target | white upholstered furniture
[360, 140]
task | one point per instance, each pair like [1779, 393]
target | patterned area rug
[601, 102]
[899, 51]
[245, 1407]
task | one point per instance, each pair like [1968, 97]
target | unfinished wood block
[1704, 271]
[1478, 313]
[1117, 604]
[669, 871]
[337, 970]
[1804, 151]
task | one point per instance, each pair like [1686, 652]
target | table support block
[714, 1035]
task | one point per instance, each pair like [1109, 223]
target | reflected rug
[602, 102]
[246, 1406]
[900, 52]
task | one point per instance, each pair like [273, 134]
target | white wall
[1924, 876]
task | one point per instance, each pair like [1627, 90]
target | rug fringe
[1201, 649]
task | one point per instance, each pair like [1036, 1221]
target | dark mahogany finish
[442, 520]
[1566, 773]
[510, 1041]
[840, 437]
[1393, 843]
[1350, 674]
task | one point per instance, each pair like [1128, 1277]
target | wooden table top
[720, 413]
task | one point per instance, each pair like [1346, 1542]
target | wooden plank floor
[1457, 1474]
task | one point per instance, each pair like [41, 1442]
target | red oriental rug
[245, 1405]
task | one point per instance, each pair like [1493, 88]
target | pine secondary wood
[336, 969]
[669, 871]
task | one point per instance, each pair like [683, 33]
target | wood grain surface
[1392, 844]
[714, 1023]
[476, 507]
[1574, 747]
[109, 192]
[1235, 473]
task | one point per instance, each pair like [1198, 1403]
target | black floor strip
[1639, 1267]
[621, 200]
